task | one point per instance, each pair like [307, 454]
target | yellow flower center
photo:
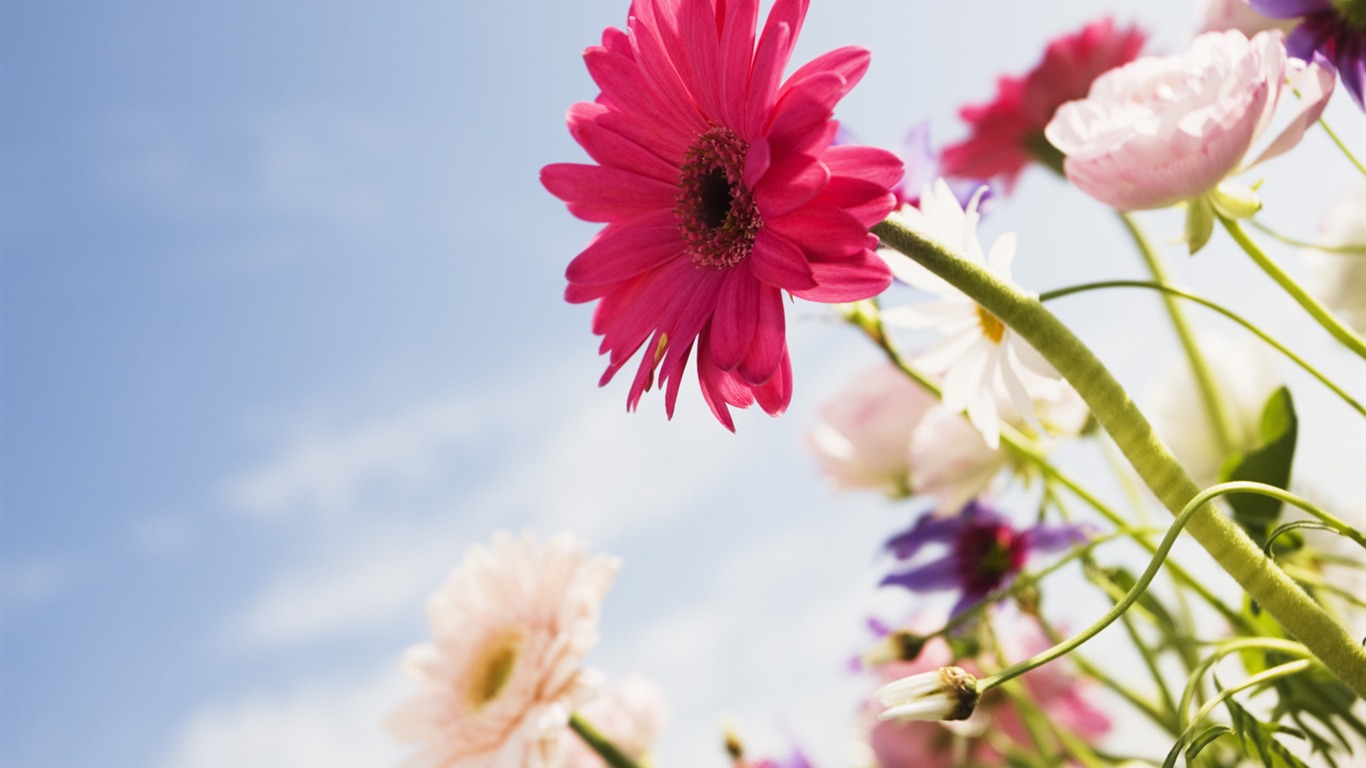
[492, 667]
[992, 328]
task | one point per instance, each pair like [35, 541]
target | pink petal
[778, 262]
[733, 322]
[850, 280]
[850, 62]
[769, 346]
[800, 113]
[757, 159]
[868, 163]
[634, 93]
[626, 249]
[790, 184]
[1314, 84]
[822, 231]
[864, 200]
[775, 45]
[596, 193]
[613, 149]
[776, 394]
[738, 24]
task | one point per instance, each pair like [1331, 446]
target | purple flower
[984, 552]
[1336, 31]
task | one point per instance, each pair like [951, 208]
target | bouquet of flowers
[726, 190]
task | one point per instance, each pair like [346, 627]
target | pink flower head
[1007, 132]
[499, 680]
[1054, 688]
[720, 190]
[1162, 130]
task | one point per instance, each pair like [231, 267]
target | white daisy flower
[981, 360]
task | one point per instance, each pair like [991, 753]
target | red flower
[1007, 132]
[720, 190]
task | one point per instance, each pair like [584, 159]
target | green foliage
[1270, 463]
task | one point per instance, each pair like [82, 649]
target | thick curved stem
[1151, 459]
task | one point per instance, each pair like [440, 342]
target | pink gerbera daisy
[720, 190]
[1007, 132]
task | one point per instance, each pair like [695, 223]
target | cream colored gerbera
[502, 675]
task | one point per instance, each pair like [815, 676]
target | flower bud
[948, 693]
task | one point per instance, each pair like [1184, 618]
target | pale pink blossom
[630, 713]
[886, 432]
[502, 675]
[1220, 15]
[1163, 130]
[1340, 279]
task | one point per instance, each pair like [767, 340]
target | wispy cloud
[335, 725]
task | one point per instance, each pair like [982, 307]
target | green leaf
[1270, 463]
[1205, 738]
[1258, 739]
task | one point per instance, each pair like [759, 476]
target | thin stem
[1342, 146]
[613, 757]
[1217, 409]
[1258, 332]
[1236, 645]
[1099, 674]
[1026, 449]
[1279, 595]
[1275, 673]
[1284, 496]
[1346, 249]
[1313, 306]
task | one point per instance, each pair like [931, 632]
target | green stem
[1097, 673]
[1347, 249]
[1116, 412]
[1258, 332]
[1275, 673]
[1026, 449]
[1284, 496]
[1342, 146]
[613, 757]
[1236, 645]
[1313, 306]
[1217, 409]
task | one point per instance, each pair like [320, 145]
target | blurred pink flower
[1220, 15]
[884, 431]
[1162, 130]
[1063, 697]
[631, 713]
[1006, 132]
[510, 626]
[720, 190]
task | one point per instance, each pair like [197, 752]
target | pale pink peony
[630, 713]
[1162, 130]
[721, 191]
[498, 684]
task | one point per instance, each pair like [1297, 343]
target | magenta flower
[1007, 132]
[984, 552]
[720, 190]
[1337, 30]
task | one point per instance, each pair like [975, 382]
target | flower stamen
[716, 212]
[991, 326]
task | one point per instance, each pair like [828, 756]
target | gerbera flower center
[716, 212]
[991, 326]
[491, 667]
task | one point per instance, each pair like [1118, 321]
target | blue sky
[283, 334]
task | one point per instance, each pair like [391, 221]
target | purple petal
[1048, 539]
[928, 529]
[934, 576]
[1289, 9]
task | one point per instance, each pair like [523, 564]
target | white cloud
[327, 473]
[333, 725]
[32, 581]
